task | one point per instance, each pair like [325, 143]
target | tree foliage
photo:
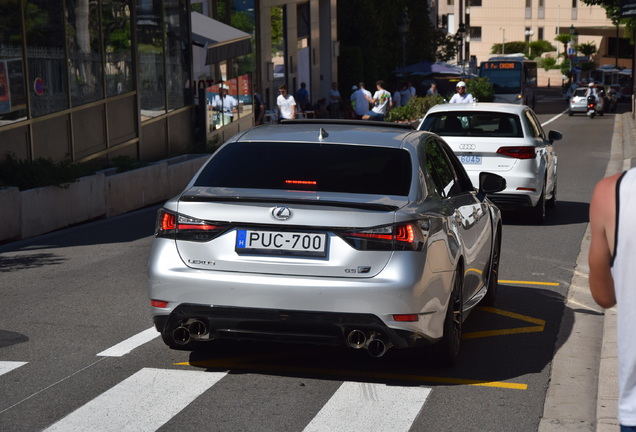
[371, 45]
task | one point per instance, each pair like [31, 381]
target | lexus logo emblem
[467, 146]
[281, 213]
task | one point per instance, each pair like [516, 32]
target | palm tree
[565, 39]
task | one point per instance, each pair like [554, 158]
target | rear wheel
[493, 276]
[538, 211]
[446, 350]
[551, 203]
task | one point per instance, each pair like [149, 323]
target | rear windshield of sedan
[459, 123]
[355, 169]
[579, 92]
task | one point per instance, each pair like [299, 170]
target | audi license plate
[281, 243]
[470, 159]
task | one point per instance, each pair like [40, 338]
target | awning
[222, 41]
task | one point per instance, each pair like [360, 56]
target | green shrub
[481, 89]
[126, 163]
[415, 109]
[40, 172]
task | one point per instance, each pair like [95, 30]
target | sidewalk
[583, 390]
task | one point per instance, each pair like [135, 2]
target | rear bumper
[510, 201]
[256, 324]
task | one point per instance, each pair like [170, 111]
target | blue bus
[514, 79]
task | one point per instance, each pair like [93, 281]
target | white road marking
[553, 119]
[370, 407]
[143, 402]
[8, 366]
[131, 343]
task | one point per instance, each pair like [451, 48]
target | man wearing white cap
[461, 96]
[226, 105]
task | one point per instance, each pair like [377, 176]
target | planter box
[37, 211]
[10, 213]
[50, 208]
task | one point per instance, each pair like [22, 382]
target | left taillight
[522, 152]
[402, 236]
[181, 227]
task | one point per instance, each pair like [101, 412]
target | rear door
[471, 221]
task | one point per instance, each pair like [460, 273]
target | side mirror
[491, 183]
[554, 136]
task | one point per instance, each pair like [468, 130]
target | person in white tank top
[612, 257]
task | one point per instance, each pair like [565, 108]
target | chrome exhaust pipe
[356, 339]
[181, 336]
[197, 328]
[377, 347]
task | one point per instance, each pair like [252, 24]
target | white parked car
[505, 139]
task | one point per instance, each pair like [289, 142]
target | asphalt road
[71, 298]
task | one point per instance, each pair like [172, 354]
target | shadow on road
[513, 347]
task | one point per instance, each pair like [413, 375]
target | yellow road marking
[540, 325]
[529, 283]
[360, 374]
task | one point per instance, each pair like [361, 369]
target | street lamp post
[503, 41]
[403, 28]
[459, 38]
[529, 34]
[574, 39]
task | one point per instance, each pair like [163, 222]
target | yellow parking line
[359, 374]
[529, 283]
[540, 325]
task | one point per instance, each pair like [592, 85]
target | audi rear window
[354, 169]
[477, 123]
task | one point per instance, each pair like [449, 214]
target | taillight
[524, 152]
[181, 227]
[405, 236]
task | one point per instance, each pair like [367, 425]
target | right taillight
[403, 236]
[181, 227]
[523, 152]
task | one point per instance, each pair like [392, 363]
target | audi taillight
[404, 236]
[181, 227]
[523, 152]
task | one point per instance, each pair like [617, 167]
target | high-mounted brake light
[301, 182]
[522, 152]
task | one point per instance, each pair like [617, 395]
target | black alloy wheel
[447, 349]
[493, 275]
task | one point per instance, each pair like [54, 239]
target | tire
[570, 113]
[538, 211]
[447, 349]
[493, 274]
[551, 203]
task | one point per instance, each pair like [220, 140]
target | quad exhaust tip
[187, 331]
[373, 342]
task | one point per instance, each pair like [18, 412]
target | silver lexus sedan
[367, 235]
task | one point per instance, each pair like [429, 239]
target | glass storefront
[80, 51]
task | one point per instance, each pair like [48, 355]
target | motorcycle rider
[592, 92]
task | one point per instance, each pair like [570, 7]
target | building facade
[92, 80]
[499, 21]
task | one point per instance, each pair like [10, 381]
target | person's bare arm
[602, 229]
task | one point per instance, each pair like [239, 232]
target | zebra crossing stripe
[8, 366]
[143, 402]
[370, 407]
[130, 344]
